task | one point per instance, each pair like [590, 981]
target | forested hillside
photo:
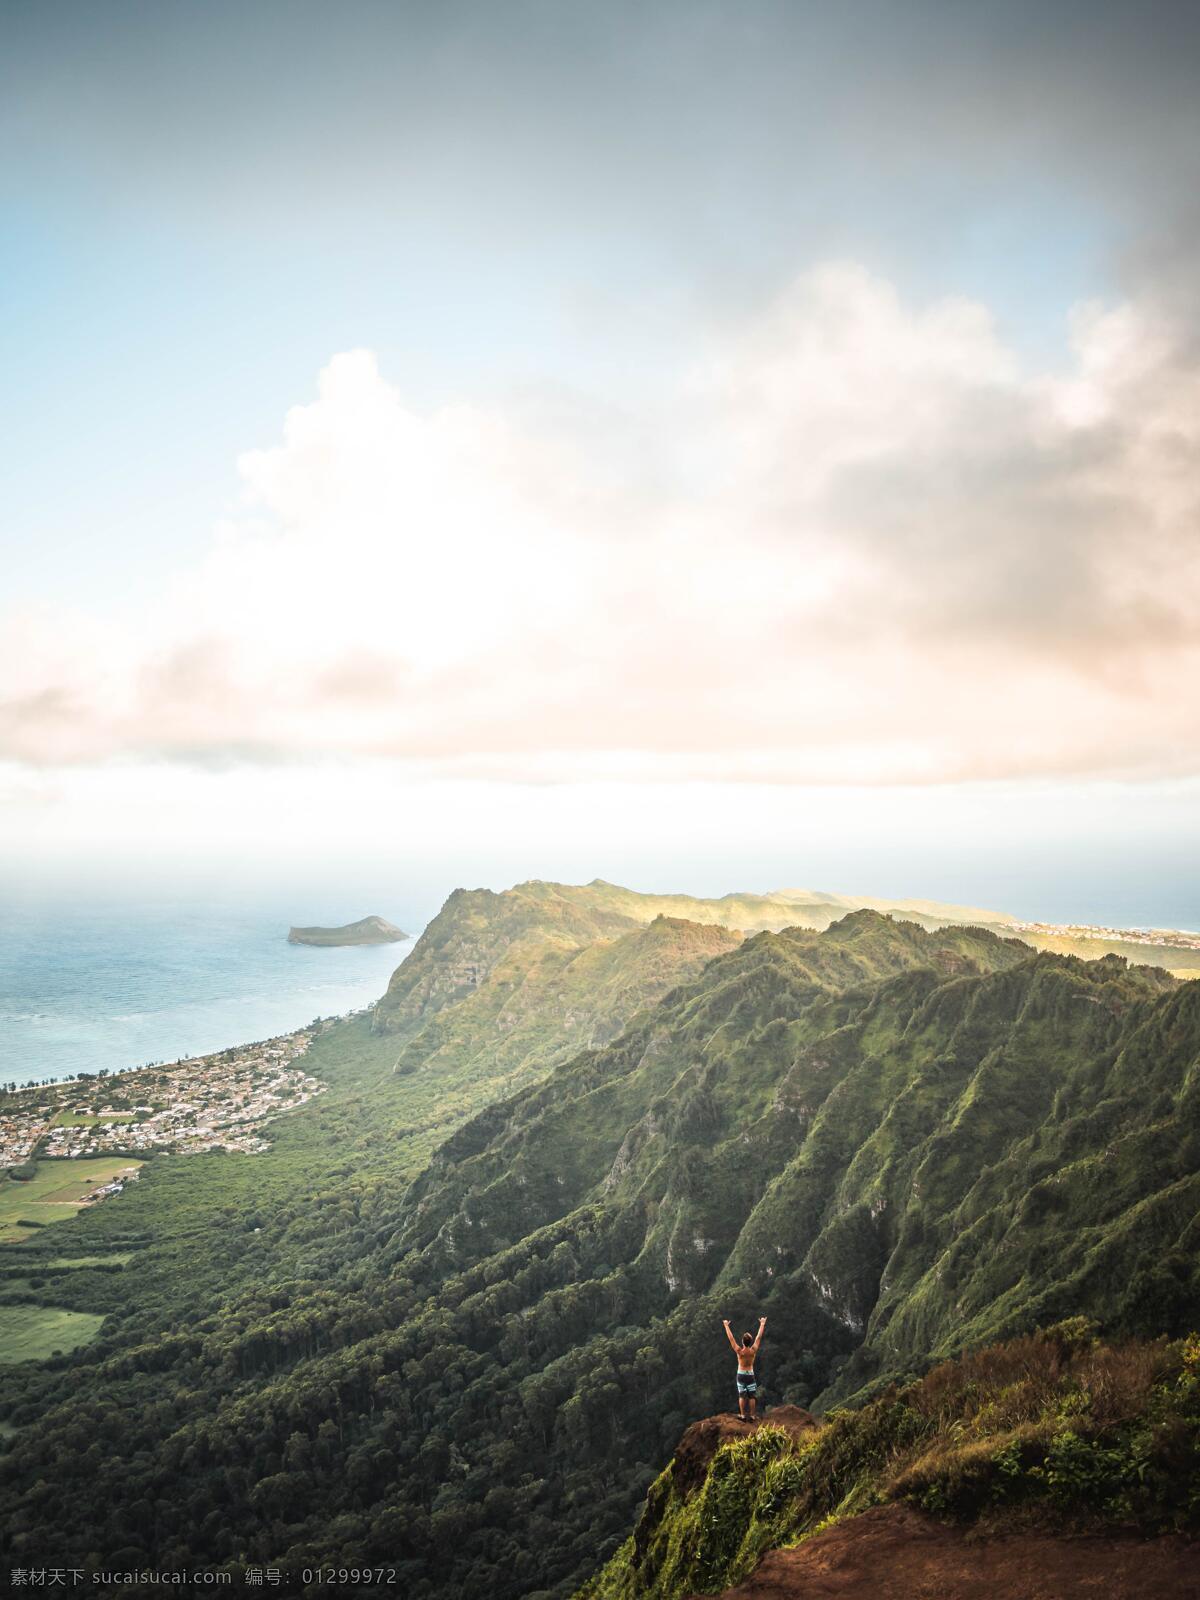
[468, 1356]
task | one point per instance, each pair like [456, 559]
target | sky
[707, 445]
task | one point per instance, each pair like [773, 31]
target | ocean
[107, 982]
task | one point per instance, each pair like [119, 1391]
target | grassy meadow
[31, 1332]
[54, 1193]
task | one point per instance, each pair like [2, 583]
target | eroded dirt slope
[894, 1553]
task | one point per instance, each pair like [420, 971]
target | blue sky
[211, 201]
[610, 263]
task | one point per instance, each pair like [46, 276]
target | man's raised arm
[762, 1322]
[729, 1333]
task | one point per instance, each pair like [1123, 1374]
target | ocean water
[109, 982]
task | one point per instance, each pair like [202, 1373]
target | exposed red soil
[895, 1553]
[702, 1440]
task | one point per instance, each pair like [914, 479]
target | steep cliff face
[531, 1017]
[537, 925]
[475, 930]
[503, 994]
[923, 1140]
[516, 945]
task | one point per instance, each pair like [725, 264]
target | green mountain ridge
[475, 1296]
[529, 932]
[481, 936]
[583, 1126]
[902, 1151]
[509, 999]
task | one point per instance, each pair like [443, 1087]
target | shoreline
[109, 1074]
[220, 1100]
[117, 986]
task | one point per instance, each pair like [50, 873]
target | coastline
[219, 1100]
[108, 1074]
[103, 986]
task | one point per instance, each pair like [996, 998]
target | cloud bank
[860, 544]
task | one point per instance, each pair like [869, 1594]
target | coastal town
[1169, 938]
[222, 1101]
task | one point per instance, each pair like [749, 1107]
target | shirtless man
[747, 1388]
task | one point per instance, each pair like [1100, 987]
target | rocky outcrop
[932, 1490]
[702, 1440]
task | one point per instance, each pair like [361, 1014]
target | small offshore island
[367, 930]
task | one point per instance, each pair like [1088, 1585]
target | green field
[16, 1265]
[31, 1333]
[58, 1190]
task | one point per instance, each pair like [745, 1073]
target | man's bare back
[747, 1388]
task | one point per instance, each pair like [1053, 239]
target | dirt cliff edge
[896, 1552]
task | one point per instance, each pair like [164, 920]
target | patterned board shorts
[746, 1383]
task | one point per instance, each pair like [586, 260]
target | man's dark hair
[747, 1338]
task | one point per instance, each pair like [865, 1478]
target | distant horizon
[332, 896]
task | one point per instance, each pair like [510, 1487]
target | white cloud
[862, 546]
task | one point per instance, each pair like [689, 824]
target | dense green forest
[456, 1319]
